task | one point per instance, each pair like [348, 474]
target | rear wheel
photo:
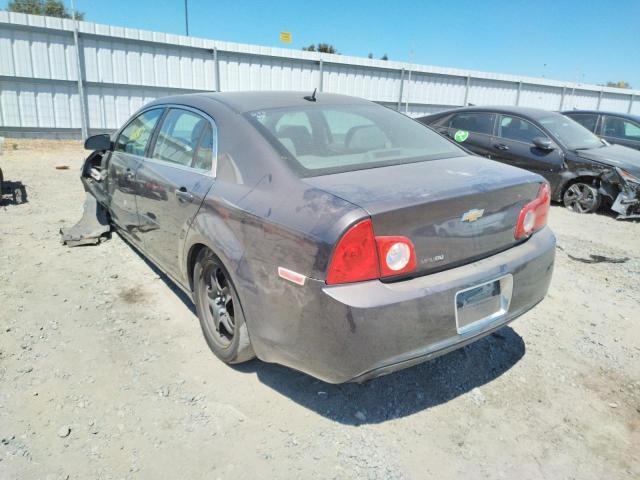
[582, 198]
[219, 310]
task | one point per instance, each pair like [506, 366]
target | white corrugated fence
[48, 87]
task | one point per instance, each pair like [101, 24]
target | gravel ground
[104, 372]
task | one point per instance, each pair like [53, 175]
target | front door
[125, 160]
[514, 145]
[173, 183]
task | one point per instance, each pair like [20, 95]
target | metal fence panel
[123, 68]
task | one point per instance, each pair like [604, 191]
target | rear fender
[209, 229]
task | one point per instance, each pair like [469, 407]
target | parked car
[582, 169]
[618, 128]
[326, 233]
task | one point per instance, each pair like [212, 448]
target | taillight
[355, 258]
[361, 256]
[533, 215]
[396, 255]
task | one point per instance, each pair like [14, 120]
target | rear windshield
[320, 140]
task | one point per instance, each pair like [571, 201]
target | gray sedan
[324, 232]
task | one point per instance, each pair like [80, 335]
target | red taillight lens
[397, 255]
[355, 258]
[361, 256]
[533, 215]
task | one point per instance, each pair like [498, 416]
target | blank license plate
[483, 304]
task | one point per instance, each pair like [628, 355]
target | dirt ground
[104, 372]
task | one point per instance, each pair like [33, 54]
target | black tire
[19, 196]
[219, 310]
[582, 197]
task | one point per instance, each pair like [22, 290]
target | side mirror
[98, 142]
[543, 143]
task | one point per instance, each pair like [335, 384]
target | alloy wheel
[220, 311]
[582, 198]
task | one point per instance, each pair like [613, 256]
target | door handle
[183, 195]
[501, 146]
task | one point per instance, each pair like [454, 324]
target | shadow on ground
[184, 298]
[402, 393]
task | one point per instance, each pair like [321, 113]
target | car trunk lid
[454, 211]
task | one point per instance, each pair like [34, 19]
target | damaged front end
[627, 201]
[94, 226]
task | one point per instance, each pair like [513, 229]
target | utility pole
[186, 17]
[84, 124]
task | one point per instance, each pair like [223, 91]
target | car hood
[616, 156]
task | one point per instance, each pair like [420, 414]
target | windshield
[570, 133]
[320, 140]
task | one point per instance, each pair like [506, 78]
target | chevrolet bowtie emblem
[472, 215]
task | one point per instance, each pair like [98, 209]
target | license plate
[483, 304]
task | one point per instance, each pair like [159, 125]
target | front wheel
[582, 198]
[219, 311]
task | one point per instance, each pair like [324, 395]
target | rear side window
[514, 128]
[135, 136]
[587, 120]
[473, 122]
[181, 138]
[620, 128]
[320, 140]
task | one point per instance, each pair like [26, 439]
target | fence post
[216, 69]
[630, 103]
[518, 94]
[401, 88]
[466, 91]
[564, 89]
[321, 73]
[84, 124]
[599, 100]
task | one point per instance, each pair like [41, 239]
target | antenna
[312, 97]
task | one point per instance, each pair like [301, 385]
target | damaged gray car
[323, 232]
[583, 170]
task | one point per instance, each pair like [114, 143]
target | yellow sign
[285, 37]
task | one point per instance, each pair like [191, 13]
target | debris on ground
[92, 228]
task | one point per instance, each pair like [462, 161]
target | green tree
[620, 84]
[384, 57]
[50, 8]
[321, 47]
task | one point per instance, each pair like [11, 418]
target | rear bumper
[359, 331]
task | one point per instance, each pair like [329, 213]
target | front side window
[473, 122]
[186, 139]
[135, 136]
[620, 128]
[518, 129]
[587, 120]
[320, 140]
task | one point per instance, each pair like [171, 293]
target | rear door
[473, 130]
[621, 131]
[122, 186]
[513, 144]
[173, 183]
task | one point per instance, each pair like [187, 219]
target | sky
[583, 41]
